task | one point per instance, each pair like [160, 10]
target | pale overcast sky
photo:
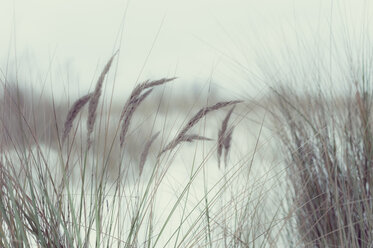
[70, 40]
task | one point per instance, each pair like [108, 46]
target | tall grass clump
[69, 180]
[327, 143]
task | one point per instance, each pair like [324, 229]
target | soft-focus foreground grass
[67, 180]
[71, 180]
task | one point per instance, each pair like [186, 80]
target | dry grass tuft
[181, 137]
[227, 144]
[93, 103]
[329, 165]
[134, 101]
[73, 112]
[129, 113]
[145, 152]
[223, 138]
[193, 137]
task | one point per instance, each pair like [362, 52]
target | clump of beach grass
[40, 206]
[328, 145]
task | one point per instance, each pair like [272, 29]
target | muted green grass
[67, 192]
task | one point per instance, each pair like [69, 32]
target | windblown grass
[59, 189]
[68, 195]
